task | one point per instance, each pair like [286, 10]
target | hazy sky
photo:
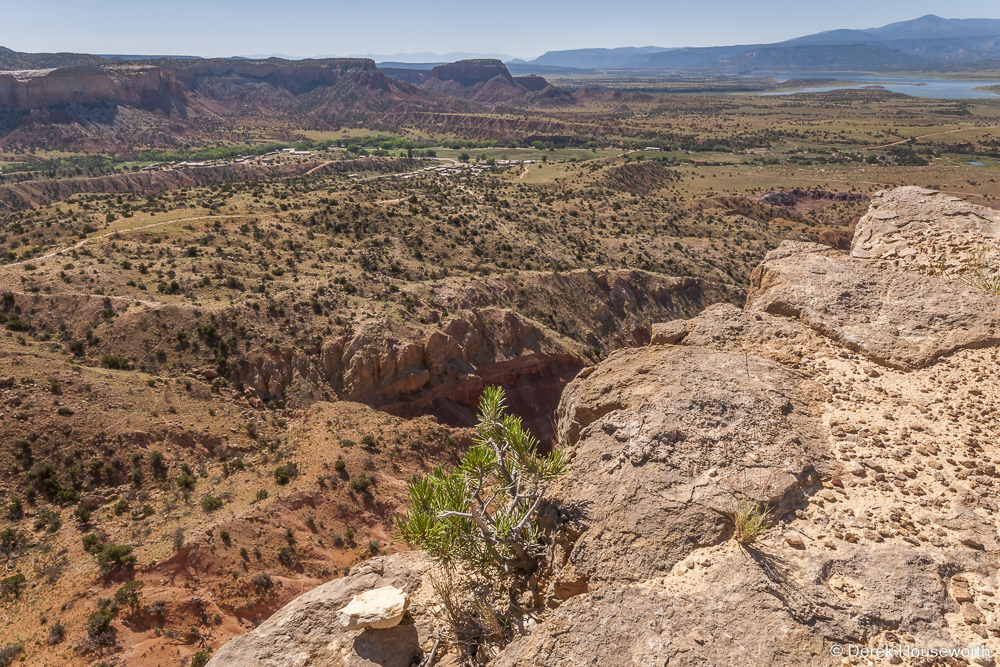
[522, 28]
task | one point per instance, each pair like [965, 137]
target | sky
[519, 28]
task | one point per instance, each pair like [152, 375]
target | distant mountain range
[929, 42]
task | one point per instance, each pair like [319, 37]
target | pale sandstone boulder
[309, 630]
[378, 608]
[896, 319]
[921, 230]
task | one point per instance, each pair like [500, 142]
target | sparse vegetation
[482, 512]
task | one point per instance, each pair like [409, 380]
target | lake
[918, 87]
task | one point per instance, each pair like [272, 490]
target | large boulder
[379, 608]
[663, 437]
[310, 629]
[925, 231]
[896, 319]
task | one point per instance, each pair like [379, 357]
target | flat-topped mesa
[929, 232]
[470, 72]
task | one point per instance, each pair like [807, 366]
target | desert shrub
[57, 632]
[12, 585]
[340, 465]
[344, 442]
[262, 581]
[15, 510]
[286, 555]
[82, 515]
[199, 659]
[224, 535]
[99, 629]
[92, 543]
[156, 458]
[211, 503]
[360, 482]
[750, 514]
[115, 362]
[48, 518]
[368, 440]
[281, 475]
[120, 507]
[8, 653]
[186, 481]
[262, 494]
[129, 595]
[116, 557]
[482, 512]
[178, 540]
[244, 554]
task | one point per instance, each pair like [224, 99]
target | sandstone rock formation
[858, 399]
[881, 476]
[916, 229]
[378, 608]
[897, 319]
[442, 369]
[308, 631]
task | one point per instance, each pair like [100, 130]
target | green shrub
[13, 585]
[262, 494]
[115, 362]
[186, 481]
[129, 595]
[116, 557]
[211, 503]
[92, 544]
[15, 509]
[281, 475]
[360, 482]
[8, 653]
[57, 632]
[82, 515]
[199, 659]
[340, 465]
[482, 512]
[99, 626]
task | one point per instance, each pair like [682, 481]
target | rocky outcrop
[144, 87]
[658, 434]
[308, 630]
[915, 229]
[899, 320]
[884, 507]
[487, 81]
[379, 608]
[495, 338]
[875, 457]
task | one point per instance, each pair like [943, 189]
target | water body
[948, 89]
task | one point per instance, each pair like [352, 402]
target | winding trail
[936, 134]
[318, 167]
[80, 244]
